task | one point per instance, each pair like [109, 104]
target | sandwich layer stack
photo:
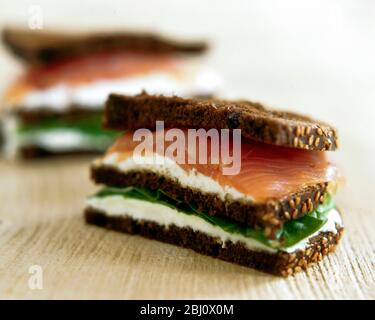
[55, 106]
[276, 213]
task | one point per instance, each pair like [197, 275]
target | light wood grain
[311, 59]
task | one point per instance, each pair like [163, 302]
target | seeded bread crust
[255, 121]
[280, 263]
[269, 215]
[41, 47]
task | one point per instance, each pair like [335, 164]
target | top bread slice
[279, 128]
[41, 47]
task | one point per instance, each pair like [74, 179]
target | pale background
[316, 57]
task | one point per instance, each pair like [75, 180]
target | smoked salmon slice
[266, 171]
[86, 69]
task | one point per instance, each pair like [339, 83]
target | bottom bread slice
[278, 263]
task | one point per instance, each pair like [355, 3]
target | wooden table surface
[42, 224]
[320, 67]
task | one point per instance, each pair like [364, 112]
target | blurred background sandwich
[55, 106]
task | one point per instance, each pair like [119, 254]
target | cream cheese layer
[92, 95]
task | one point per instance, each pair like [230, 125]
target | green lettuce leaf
[291, 233]
[90, 125]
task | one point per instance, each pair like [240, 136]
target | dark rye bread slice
[269, 215]
[40, 47]
[255, 121]
[279, 263]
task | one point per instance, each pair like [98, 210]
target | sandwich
[272, 209]
[55, 106]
